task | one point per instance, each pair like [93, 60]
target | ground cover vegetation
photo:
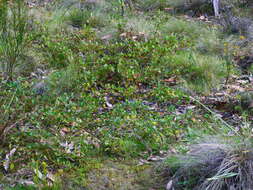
[105, 94]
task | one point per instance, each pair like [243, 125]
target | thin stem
[213, 113]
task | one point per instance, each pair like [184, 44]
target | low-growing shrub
[163, 94]
[133, 127]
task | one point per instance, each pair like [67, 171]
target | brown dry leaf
[97, 145]
[106, 37]
[168, 9]
[64, 131]
[154, 158]
[142, 162]
[173, 151]
[171, 80]
[236, 88]
[123, 34]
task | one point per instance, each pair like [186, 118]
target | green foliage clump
[132, 127]
[163, 94]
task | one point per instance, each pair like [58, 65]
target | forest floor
[100, 100]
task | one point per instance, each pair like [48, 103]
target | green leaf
[217, 177]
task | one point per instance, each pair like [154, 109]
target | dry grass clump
[216, 165]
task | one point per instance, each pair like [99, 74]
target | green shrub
[13, 35]
[131, 62]
[163, 94]
[11, 107]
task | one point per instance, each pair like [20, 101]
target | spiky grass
[222, 164]
[199, 72]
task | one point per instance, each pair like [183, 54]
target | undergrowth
[111, 90]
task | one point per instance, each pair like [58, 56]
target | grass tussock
[220, 164]
[141, 25]
[200, 72]
[188, 28]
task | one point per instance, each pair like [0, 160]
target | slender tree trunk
[216, 6]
